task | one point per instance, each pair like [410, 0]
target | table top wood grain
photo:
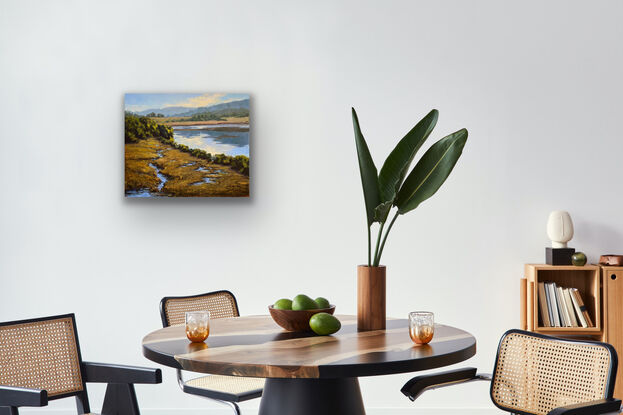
[255, 346]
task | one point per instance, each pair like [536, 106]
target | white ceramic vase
[559, 228]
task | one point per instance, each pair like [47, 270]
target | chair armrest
[109, 373]
[419, 384]
[15, 396]
[602, 406]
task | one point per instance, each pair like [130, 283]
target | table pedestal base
[312, 397]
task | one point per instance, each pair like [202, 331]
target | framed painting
[186, 145]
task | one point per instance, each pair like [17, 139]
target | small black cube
[558, 256]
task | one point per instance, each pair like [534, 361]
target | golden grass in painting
[138, 174]
[185, 173]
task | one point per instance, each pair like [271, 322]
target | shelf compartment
[586, 279]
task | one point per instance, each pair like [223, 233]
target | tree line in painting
[139, 128]
[220, 115]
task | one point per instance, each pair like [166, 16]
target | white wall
[537, 84]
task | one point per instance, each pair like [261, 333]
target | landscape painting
[186, 145]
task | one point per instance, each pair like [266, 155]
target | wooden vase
[370, 298]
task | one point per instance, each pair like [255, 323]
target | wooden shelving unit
[586, 279]
[602, 291]
[613, 316]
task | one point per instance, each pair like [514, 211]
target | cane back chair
[228, 390]
[536, 374]
[40, 361]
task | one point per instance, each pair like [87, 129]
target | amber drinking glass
[421, 326]
[197, 325]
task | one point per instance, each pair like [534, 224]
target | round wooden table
[307, 374]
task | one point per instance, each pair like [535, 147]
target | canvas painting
[186, 145]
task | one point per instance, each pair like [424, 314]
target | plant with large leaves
[389, 188]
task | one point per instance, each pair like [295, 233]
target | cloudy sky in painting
[140, 102]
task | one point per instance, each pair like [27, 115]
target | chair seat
[225, 388]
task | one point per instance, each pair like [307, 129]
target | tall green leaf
[431, 171]
[369, 177]
[397, 163]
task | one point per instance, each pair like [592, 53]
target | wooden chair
[40, 361]
[540, 375]
[229, 390]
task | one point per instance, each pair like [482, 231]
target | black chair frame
[419, 384]
[120, 397]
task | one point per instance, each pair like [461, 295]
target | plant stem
[377, 258]
[378, 241]
[369, 247]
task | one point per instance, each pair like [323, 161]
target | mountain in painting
[186, 111]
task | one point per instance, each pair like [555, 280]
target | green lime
[283, 304]
[324, 324]
[322, 302]
[303, 302]
[578, 259]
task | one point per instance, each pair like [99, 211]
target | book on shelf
[561, 306]
[552, 304]
[550, 308]
[578, 310]
[578, 296]
[569, 307]
[544, 306]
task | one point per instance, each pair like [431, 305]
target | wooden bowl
[612, 260]
[296, 320]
